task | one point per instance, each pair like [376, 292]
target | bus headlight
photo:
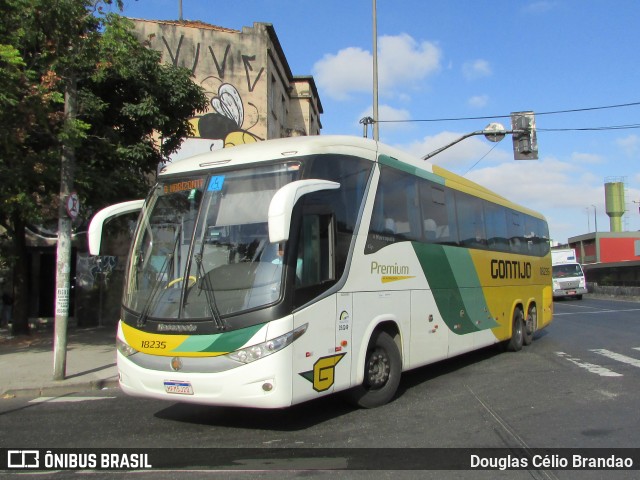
[261, 350]
[124, 348]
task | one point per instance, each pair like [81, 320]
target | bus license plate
[179, 388]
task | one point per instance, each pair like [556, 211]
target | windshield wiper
[166, 267]
[208, 293]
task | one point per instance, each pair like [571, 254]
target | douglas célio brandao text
[551, 461]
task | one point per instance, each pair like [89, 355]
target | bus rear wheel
[530, 325]
[382, 370]
[517, 332]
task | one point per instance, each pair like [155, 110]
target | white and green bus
[270, 274]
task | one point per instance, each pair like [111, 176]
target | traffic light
[525, 143]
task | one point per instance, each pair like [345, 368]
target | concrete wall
[252, 94]
[630, 293]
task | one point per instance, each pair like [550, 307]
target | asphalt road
[576, 386]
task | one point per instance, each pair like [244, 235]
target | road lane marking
[596, 312]
[606, 394]
[618, 357]
[577, 305]
[66, 399]
[590, 367]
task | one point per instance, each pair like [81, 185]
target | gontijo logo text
[510, 269]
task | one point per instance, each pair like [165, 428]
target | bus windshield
[202, 247]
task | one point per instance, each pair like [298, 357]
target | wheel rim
[531, 320]
[378, 369]
[519, 329]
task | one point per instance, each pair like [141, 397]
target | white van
[567, 273]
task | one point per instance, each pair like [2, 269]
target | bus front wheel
[517, 332]
[382, 370]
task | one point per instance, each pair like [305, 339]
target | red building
[609, 258]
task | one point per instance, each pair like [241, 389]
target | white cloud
[589, 158]
[402, 62]
[478, 101]
[629, 145]
[476, 69]
[350, 70]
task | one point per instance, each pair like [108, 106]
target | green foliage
[127, 101]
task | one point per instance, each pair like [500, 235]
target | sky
[574, 63]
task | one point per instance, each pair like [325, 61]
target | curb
[60, 390]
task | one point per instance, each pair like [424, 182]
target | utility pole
[376, 132]
[67, 208]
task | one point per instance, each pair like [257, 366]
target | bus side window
[470, 221]
[537, 236]
[496, 224]
[515, 230]
[438, 214]
[396, 211]
[315, 258]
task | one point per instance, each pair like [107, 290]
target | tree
[127, 101]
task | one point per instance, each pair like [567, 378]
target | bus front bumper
[569, 292]
[265, 383]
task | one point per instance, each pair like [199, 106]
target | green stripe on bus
[219, 342]
[455, 286]
[405, 167]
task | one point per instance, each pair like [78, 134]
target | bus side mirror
[285, 199]
[94, 235]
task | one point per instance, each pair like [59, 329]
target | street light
[588, 219]
[595, 217]
[494, 132]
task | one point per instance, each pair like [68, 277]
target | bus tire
[517, 332]
[382, 370]
[530, 325]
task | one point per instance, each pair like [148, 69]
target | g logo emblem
[324, 372]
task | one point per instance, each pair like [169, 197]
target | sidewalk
[26, 362]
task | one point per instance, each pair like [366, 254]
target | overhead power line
[555, 112]
[612, 127]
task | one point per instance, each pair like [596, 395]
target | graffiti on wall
[91, 269]
[228, 118]
[231, 118]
